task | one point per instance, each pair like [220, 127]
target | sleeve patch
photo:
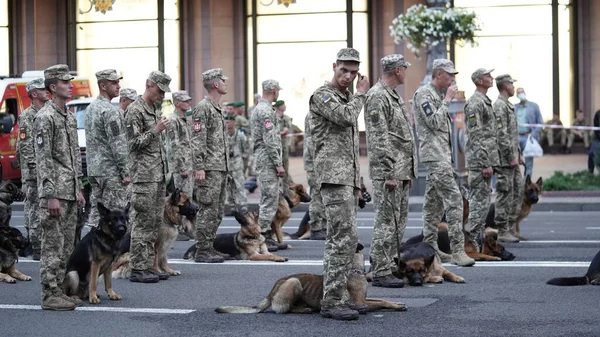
[22, 133]
[197, 124]
[326, 99]
[374, 115]
[472, 119]
[39, 139]
[114, 127]
[427, 108]
[129, 128]
[268, 124]
[172, 134]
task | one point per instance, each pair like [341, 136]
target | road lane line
[561, 241]
[105, 309]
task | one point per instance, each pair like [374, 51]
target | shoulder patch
[472, 119]
[427, 108]
[22, 132]
[268, 124]
[197, 124]
[39, 138]
[326, 99]
[114, 127]
[129, 128]
[374, 114]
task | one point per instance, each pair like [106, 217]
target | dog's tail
[238, 309]
[569, 281]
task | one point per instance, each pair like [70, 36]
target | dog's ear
[103, 211]
[527, 180]
[539, 182]
[127, 207]
[429, 261]
[175, 196]
[359, 247]
[241, 218]
[401, 265]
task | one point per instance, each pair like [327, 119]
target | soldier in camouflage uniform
[126, 97]
[285, 127]
[508, 173]
[481, 151]
[392, 166]
[210, 164]
[179, 146]
[106, 148]
[316, 210]
[58, 164]
[148, 171]
[38, 94]
[334, 130]
[237, 145]
[267, 157]
[430, 106]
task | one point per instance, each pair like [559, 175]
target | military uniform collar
[102, 98]
[390, 90]
[505, 100]
[213, 103]
[57, 108]
[146, 107]
[433, 88]
[266, 102]
[337, 91]
[484, 97]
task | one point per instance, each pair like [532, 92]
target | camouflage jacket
[482, 140]
[179, 147]
[209, 137]
[508, 131]
[433, 125]
[307, 150]
[334, 132]
[57, 154]
[105, 140]
[241, 123]
[284, 122]
[146, 149]
[237, 146]
[265, 134]
[26, 145]
[390, 142]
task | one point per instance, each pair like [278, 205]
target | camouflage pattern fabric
[316, 209]
[209, 137]
[479, 202]
[210, 195]
[110, 191]
[26, 144]
[285, 122]
[179, 153]
[587, 134]
[148, 204]
[236, 191]
[341, 204]
[32, 214]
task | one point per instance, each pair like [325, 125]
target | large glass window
[4, 46]
[126, 38]
[520, 46]
[297, 54]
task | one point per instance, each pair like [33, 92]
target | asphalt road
[499, 298]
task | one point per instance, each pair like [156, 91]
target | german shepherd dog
[591, 277]
[419, 264]
[292, 197]
[302, 293]
[11, 240]
[246, 244]
[178, 208]
[531, 194]
[95, 254]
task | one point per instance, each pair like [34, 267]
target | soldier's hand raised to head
[451, 92]
[162, 124]
[363, 84]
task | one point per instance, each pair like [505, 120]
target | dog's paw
[400, 306]
[9, 279]
[281, 259]
[115, 297]
[94, 299]
[459, 279]
[174, 272]
[435, 279]
[24, 277]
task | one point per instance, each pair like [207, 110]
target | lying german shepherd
[420, 264]
[531, 194]
[247, 244]
[95, 254]
[295, 194]
[302, 293]
[178, 208]
[11, 240]
[591, 277]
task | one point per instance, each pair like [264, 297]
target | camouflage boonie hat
[108, 74]
[212, 74]
[504, 78]
[59, 71]
[128, 93]
[161, 79]
[480, 72]
[393, 61]
[445, 65]
[278, 103]
[181, 96]
[269, 85]
[348, 54]
[37, 83]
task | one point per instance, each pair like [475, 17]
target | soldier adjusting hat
[161, 79]
[128, 93]
[445, 65]
[504, 78]
[269, 85]
[181, 96]
[480, 72]
[108, 74]
[37, 83]
[393, 61]
[212, 74]
[348, 54]
[59, 71]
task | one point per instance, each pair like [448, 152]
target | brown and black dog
[419, 264]
[295, 194]
[246, 244]
[302, 293]
[11, 240]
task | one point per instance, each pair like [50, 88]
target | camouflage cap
[480, 72]
[37, 83]
[108, 74]
[181, 96]
[504, 78]
[445, 65]
[59, 71]
[161, 79]
[348, 54]
[211, 74]
[128, 93]
[278, 103]
[393, 61]
[269, 85]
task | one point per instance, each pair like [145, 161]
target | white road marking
[592, 228]
[105, 309]
[358, 227]
[561, 241]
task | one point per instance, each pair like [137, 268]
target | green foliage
[578, 181]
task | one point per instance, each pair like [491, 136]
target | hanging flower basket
[427, 27]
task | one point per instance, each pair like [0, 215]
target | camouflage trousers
[31, 214]
[185, 185]
[236, 193]
[58, 238]
[149, 205]
[316, 209]
[391, 213]
[210, 196]
[110, 192]
[479, 202]
[341, 204]
[269, 195]
[285, 159]
[442, 194]
[509, 196]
